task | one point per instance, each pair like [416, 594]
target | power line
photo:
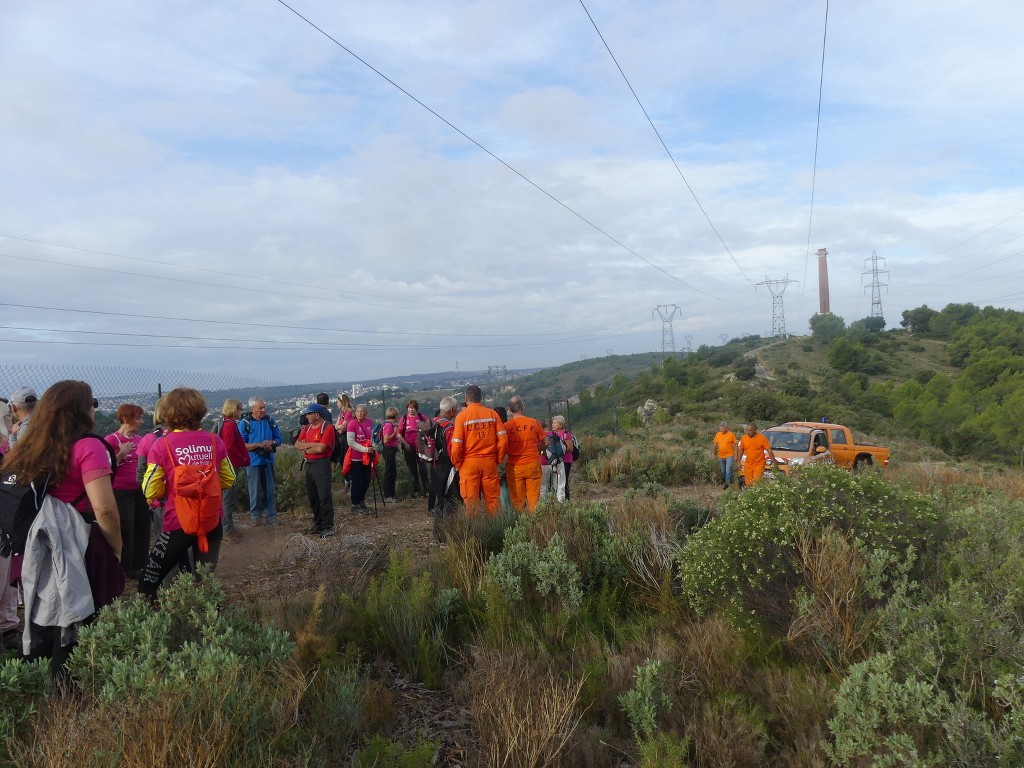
[966, 271]
[234, 274]
[817, 131]
[289, 343]
[663, 144]
[273, 326]
[480, 146]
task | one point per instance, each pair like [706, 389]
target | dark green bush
[747, 557]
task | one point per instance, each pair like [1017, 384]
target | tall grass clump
[526, 715]
[408, 618]
[656, 462]
[22, 686]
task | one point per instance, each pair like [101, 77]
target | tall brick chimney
[823, 281]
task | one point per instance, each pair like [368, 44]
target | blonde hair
[232, 408]
[391, 413]
[560, 420]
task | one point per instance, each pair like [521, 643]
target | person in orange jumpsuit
[753, 445]
[526, 439]
[479, 445]
[724, 450]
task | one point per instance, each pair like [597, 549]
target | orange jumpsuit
[522, 473]
[754, 447]
[479, 445]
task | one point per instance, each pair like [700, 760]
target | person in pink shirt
[231, 412]
[78, 467]
[409, 427]
[131, 504]
[389, 439]
[186, 442]
[558, 427]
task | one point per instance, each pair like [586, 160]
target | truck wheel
[861, 462]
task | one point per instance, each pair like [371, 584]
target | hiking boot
[11, 639]
[326, 533]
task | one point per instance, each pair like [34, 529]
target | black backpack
[19, 505]
[340, 446]
[441, 426]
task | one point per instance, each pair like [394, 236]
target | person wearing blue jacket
[262, 437]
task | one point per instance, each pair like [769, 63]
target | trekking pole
[377, 490]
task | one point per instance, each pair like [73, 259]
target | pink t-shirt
[89, 460]
[343, 419]
[188, 448]
[389, 434]
[147, 442]
[362, 431]
[566, 436]
[410, 427]
[125, 474]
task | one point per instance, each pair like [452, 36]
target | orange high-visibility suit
[479, 445]
[522, 473]
[754, 447]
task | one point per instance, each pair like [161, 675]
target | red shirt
[323, 434]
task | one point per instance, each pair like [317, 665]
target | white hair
[253, 400]
[448, 403]
[559, 419]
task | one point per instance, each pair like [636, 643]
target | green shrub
[405, 617]
[333, 706]
[133, 650]
[22, 685]
[647, 700]
[541, 579]
[665, 750]
[885, 720]
[381, 753]
[748, 558]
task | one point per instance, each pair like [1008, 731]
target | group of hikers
[77, 511]
[453, 458]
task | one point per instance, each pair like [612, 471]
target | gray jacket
[53, 575]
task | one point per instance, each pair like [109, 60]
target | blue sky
[227, 166]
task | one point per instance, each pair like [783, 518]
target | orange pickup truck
[797, 443]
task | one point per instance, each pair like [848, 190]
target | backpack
[19, 505]
[556, 449]
[426, 446]
[197, 498]
[575, 448]
[439, 434]
[340, 446]
[378, 437]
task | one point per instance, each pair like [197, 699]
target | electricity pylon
[776, 288]
[668, 341]
[876, 285]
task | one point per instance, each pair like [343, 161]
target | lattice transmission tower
[876, 285]
[776, 288]
[689, 344]
[668, 340]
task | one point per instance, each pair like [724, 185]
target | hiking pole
[375, 479]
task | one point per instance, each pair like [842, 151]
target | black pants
[568, 470]
[135, 528]
[445, 497]
[417, 468]
[318, 492]
[360, 476]
[167, 552]
[390, 470]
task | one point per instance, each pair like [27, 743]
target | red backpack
[197, 497]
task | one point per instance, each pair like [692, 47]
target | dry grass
[194, 726]
[526, 716]
[940, 478]
[833, 618]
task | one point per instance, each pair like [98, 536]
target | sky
[328, 191]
